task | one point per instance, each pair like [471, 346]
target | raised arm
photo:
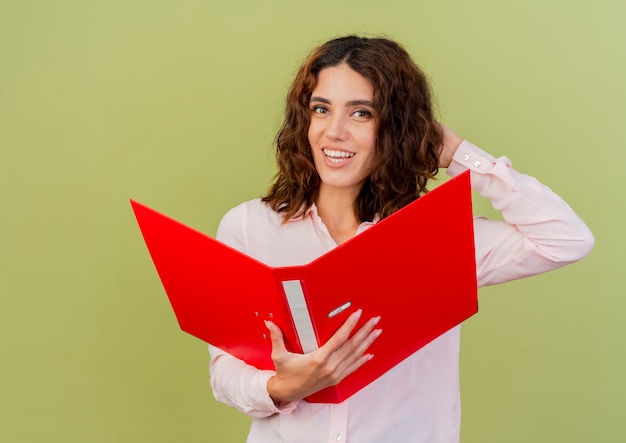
[540, 232]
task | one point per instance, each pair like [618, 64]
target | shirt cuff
[484, 167]
[469, 156]
[283, 407]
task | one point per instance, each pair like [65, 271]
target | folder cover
[416, 269]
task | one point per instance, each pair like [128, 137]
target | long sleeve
[242, 386]
[234, 382]
[540, 232]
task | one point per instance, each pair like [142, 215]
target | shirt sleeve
[242, 386]
[540, 232]
[233, 381]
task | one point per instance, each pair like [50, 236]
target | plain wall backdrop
[176, 103]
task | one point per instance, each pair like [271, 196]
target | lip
[337, 156]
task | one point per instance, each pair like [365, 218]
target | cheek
[313, 132]
[375, 154]
[311, 135]
[369, 140]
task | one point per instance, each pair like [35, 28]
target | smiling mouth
[337, 156]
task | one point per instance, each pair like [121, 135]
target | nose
[337, 127]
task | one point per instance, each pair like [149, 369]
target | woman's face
[342, 133]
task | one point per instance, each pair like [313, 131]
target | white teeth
[337, 156]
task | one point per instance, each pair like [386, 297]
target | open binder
[416, 269]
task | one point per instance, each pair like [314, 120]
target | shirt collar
[312, 212]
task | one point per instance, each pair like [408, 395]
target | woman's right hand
[300, 375]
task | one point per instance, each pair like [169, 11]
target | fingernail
[377, 333]
[375, 320]
[358, 313]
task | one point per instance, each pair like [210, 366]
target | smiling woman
[342, 133]
[394, 91]
[358, 143]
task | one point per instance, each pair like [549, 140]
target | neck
[336, 209]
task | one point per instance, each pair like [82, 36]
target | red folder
[416, 269]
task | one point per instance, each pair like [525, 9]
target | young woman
[358, 143]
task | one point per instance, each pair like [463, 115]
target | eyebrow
[349, 103]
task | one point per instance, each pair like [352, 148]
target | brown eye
[362, 113]
[318, 109]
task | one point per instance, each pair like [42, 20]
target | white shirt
[417, 401]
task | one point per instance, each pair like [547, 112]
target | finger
[365, 330]
[343, 333]
[276, 336]
[353, 351]
[354, 361]
[364, 345]
[352, 345]
[356, 365]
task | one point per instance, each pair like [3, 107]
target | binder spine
[300, 315]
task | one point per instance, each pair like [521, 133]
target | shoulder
[244, 220]
[253, 209]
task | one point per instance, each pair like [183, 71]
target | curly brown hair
[408, 138]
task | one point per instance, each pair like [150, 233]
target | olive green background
[175, 104]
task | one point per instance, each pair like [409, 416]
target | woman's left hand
[451, 142]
